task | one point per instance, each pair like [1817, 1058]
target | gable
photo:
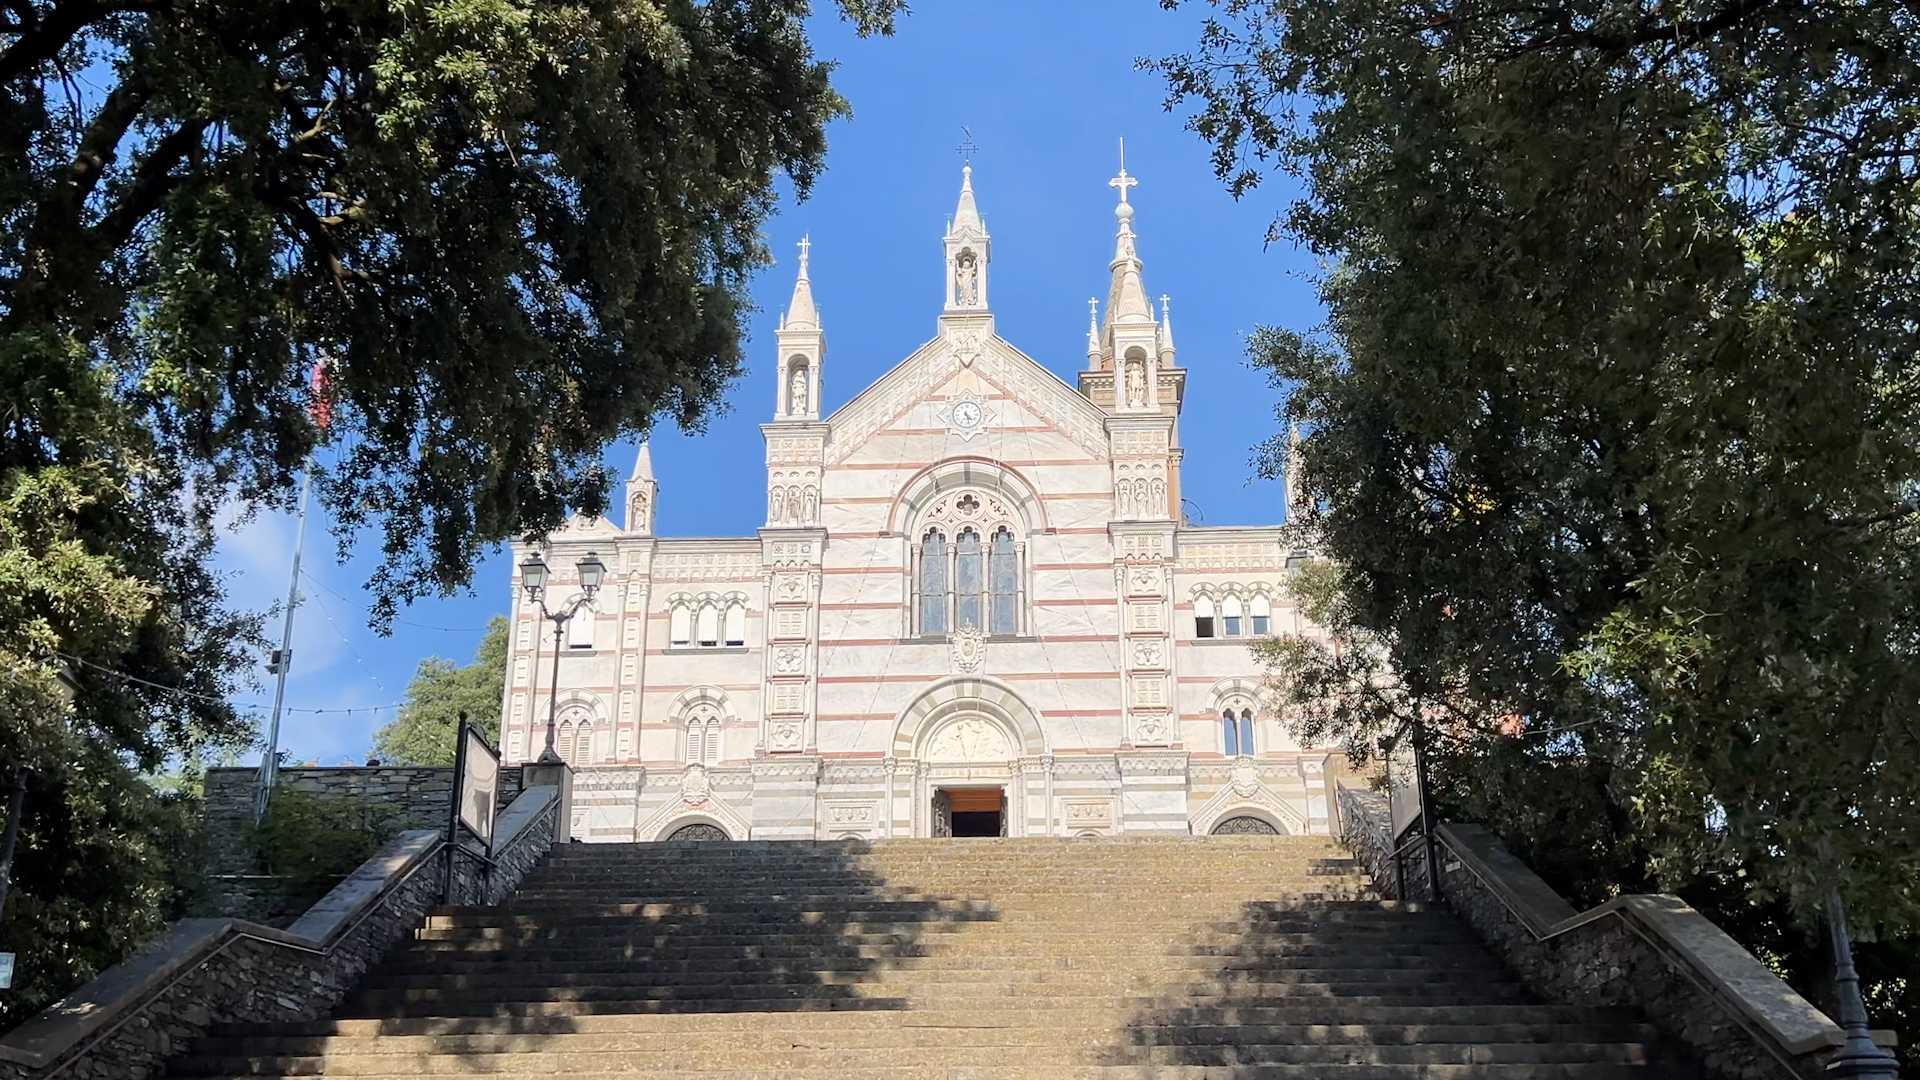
[911, 381]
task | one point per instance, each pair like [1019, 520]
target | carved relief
[790, 588]
[784, 734]
[790, 659]
[1148, 653]
[1151, 729]
[969, 739]
[969, 649]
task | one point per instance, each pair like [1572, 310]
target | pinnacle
[966, 217]
[801, 313]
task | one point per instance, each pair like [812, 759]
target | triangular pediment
[937, 362]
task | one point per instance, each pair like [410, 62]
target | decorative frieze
[1257, 555]
[706, 566]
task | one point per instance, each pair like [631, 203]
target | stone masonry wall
[418, 797]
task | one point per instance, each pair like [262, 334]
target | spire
[1093, 332]
[1166, 331]
[968, 253]
[1127, 300]
[801, 314]
[966, 217]
[643, 464]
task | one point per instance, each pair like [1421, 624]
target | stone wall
[1700, 987]
[416, 797]
[127, 1023]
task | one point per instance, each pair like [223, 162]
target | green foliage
[521, 228]
[1612, 428]
[312, 842]
[427, 730]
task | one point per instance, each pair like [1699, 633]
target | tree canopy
[427, 730]
[1613, 422]
[518, 229]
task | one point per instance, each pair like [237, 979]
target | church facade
[975, 609]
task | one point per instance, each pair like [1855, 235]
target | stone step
[789, 1036]
[975, 1019]
[661, 961]
[917, 975]
[1530, 1071]
[1062, 1053]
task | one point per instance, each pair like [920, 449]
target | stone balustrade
[126, 1024]
[1700, 986]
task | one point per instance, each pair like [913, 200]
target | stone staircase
[1217, 958]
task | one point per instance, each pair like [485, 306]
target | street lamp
[533, 578]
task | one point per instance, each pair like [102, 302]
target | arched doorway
[697, 832]
[1244, 825]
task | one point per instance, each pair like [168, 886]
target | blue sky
[1047, 90]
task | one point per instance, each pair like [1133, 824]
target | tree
[520, 229]
[1612, 426]
[427, 730]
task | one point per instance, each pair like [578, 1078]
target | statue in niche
[813, 504]
[1136, 383]
[797, 392]
[1126, 497]
[637, 512]
[794, 506]
[776, 504]
[966, 280]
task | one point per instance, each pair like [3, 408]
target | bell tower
[969, 250]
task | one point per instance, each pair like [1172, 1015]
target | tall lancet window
[1003, 578]
[967, 580]
[933, 583]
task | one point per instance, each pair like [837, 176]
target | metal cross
[805, 243]
[966, 147]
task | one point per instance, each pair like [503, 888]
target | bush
[310, 842]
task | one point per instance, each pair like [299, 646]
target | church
[975, 609]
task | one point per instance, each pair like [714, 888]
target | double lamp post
[533, 578]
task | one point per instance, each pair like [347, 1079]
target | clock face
[967, 414]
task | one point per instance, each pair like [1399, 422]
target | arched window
[1203, 617]
[573, 741]
[703, 740]
[709, 625]
[737, 624]
[1003, 578]
[1246, 731]
[968, 577]
[680, 627]
[1261, 610]
[933, 583]
[1230, 620]
[1229, 734]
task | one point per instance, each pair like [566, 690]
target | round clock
[966, 414]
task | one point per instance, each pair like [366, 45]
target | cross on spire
[966, 148]
[1123, 181]
[805, 243]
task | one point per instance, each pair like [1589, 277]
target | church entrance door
[973, 811]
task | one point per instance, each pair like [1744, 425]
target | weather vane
[966, 147]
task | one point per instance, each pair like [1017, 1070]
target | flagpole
[270, 763]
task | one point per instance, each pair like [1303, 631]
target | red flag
[321, 406]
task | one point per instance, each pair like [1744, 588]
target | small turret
[969, 250]
[803, 350]
[642, 493]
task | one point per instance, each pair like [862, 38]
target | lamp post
[533, 578]
[1860, 1058]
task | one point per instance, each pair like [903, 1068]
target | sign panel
[479, 784]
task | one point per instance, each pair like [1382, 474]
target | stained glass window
[933, 584]
[967, 580]
[1003, 577]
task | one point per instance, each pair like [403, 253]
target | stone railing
[1702, 988]
[125, 1024]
